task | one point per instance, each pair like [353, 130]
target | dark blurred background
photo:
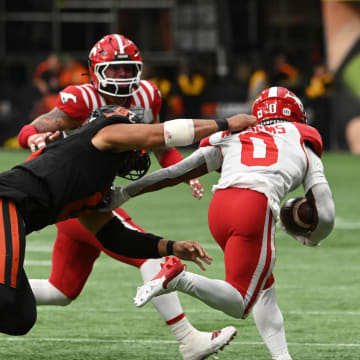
[208, 57]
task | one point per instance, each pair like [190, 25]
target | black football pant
[17, 302]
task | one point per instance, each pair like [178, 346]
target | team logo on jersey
[65, 97]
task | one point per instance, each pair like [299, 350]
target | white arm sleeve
[315, 181]
[192, 162]
[212, 157]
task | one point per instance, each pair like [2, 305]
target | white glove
[116, 197]
[305, 240]
[301, 238]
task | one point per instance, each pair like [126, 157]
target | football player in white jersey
[115, 66]
[259, 167]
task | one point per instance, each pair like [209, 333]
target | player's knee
[63, 301]
[16, 320]
[23, 323]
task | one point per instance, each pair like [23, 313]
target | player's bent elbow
[326, 221]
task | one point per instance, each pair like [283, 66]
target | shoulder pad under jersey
[311, 135]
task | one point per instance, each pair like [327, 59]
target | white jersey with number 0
[269, 159]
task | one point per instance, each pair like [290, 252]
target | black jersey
[68, 177]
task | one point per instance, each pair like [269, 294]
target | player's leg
[267, 315]
[194, 344]
[249, 256]
[17, 303]
[245, 235]
[270, 322]
[72, 262]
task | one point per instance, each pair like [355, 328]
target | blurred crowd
[194, 87]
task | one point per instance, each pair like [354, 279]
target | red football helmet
[115, 66]
[279, 103]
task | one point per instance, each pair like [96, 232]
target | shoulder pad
[311, 135]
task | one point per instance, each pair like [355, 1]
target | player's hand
[240, 122]
[193, 251]
[38, 141]
[196, 188]
[303, 239]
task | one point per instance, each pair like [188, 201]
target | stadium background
[225, 41]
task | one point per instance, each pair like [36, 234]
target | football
[298, 216]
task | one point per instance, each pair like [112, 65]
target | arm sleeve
[115, 237]
[199, 157]
[315, 181]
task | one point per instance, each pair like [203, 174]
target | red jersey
[79, 101]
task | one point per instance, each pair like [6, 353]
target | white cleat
[171, 271]
[146, 292]
[205, 344]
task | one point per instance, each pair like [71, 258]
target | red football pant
[75, 251]
[241, 222]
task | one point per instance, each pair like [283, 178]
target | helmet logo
[288, 94]
[286, 111]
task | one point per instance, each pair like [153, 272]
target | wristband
[24, 134]
[170, 247]
[223, 124]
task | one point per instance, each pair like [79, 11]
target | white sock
[47, 294]
[182, 329]
[218, 294]
[168, 305]
[270, 324]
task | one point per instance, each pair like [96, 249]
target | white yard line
[140, 341]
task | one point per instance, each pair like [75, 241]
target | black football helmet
[134, 164]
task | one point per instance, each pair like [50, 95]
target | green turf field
[318, 289]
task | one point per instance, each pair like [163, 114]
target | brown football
[298, 215]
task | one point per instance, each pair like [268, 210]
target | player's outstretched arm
[200, 162]
[179, 132]
[44, 129]
[111, 232]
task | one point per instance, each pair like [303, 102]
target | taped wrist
[114, 236]
[24, 134]
[179, 132]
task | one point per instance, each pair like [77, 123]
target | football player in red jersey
[259, 167]
[115, 66]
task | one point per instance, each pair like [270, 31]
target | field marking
[143, 341]
[210, 311]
